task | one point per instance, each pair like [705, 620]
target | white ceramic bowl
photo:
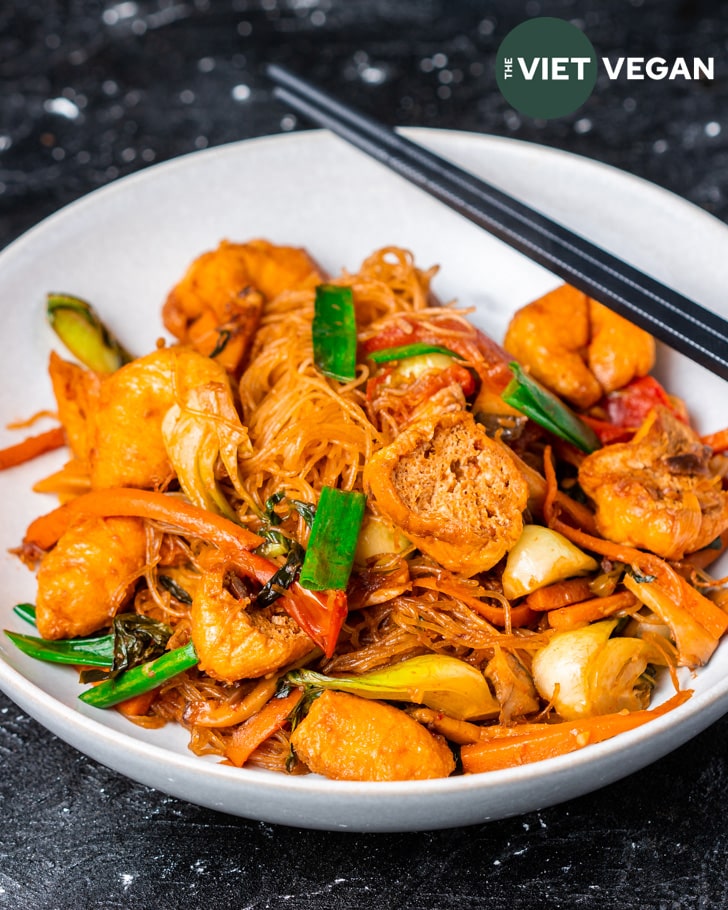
[124, 246]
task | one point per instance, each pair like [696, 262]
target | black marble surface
[92, 90]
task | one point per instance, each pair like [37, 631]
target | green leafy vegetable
[136, 639]
[92, 652]
[333, 539]
[384, 355]
[141, 679]
[545, 409]
[334, 332]
[81, 330]
[133, 640]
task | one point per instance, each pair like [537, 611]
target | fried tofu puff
[454, 492]
[345, 737]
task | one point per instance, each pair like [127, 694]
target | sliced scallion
[543, 407]
[384, 355]
[81, 330]
[141, 679]
[91, 652]
[334, 332]
[331, 546]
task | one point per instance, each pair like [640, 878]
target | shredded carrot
[249, 735]
[685, 600]
[504, 617]
[205, 714]
[29, 421]
[587, 611]
[125, 501]
[137, 705]
[718, 441]
[557, 739]
[560, 594]
[32, 447]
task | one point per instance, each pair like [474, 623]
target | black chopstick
[672, 318]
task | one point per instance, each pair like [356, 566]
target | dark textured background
[94, 90]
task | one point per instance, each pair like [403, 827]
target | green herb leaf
[401, 352]
[81, 330]
[543, 407]
[331, 546]
[283, 578]
[169, 584]
[334, 332]
[306, 510]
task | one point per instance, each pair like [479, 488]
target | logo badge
[546, 68]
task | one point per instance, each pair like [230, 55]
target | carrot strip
[32, 447]
[205, 715]
[249, 735]
[557, 739]
[718, 441]
[29, 421]
[560, 594]
[137, 705]
[684, 603]
[580, 614]
[519, 616]
[123, 501]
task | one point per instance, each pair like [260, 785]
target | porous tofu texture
[456, 493]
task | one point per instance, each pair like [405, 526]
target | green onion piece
[78, 326]
[92, 652]
[334, 332]
[383, 355]
[545, 409]
[25, 612]
[332, 543]
[141, 679]
[439, 681]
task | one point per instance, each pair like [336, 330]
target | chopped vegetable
[26, 612]
[384, 355]
[90, 652]
[541, 557]
[141, 679]
[81, 330]
[551, 740]
[255, 730]
[543, 407]
[283, 578]
[32, 447]
[332, 544]
[584, 672]
[334, 332]
[436, 680]
[133, 640]
[591, 610]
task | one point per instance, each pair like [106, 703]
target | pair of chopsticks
[672, 318]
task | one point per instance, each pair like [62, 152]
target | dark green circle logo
[546, 67]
